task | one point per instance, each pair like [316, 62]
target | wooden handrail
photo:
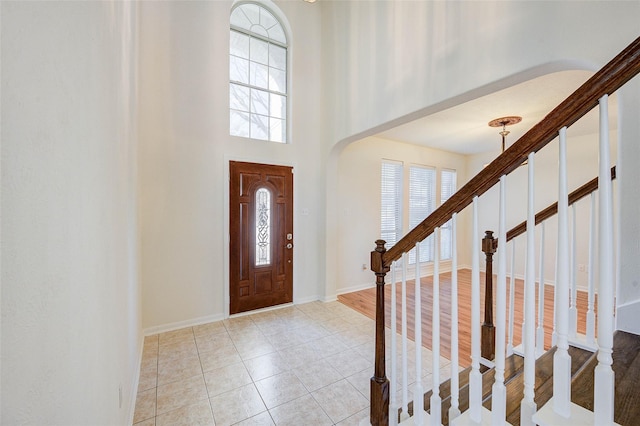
[606, 81]
[550, 211]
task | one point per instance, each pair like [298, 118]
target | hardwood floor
[364, 301]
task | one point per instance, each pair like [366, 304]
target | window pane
[259, 102]
[238, 69]
[422, 181]
[259, 127]
[277, 80]
[263, 227]
[239, 19]
[259, 51]
[259, 75]
[391, 201]
[266, 19]
[252, 11]
[277, 57]
[277, 130]
[239, 45]
[278, 106]
[447, 189]
[239, 123]
[239, 97]
[277, 33]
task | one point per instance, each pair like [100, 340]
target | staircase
[626, 365]
[565, 385]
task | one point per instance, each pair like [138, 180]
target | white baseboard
[353, 288]
[302, 300]
[182, 324]
[136, 383]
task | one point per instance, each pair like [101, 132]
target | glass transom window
[257, 75]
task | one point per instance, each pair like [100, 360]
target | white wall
[629, 249]
[71, 327]
[185, 148]
[359, 200]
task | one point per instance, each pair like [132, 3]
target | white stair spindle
[604, 375]
[418, 391]
[436, 402]
[591, 317]
[540, 329]
[476, 414]
[499, 391]
[512, 297]
[475, 378]
[393, 385]
[405, 381]
[573, 310]
[561, 359]
[454, 410]
[528, 406]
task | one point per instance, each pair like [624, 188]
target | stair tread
[626, 366]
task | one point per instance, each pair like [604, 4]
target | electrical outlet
[364, 266]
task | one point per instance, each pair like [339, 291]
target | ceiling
[464, 128]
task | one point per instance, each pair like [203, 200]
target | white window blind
[391, 202]
[422, 199]
[447, 189]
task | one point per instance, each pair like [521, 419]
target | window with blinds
[422, 200]
[391, 202]
[447, 189]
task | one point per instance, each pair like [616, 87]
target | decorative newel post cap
[380, 246]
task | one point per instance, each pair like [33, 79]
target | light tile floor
[306, 364]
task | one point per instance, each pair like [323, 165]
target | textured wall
[71, 329]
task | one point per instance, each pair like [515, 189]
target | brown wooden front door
[261, 236]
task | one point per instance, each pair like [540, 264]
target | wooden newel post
[488, 346]
[379, 414]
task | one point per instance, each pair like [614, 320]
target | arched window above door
[258, 74]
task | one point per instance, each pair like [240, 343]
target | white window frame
[286, 125]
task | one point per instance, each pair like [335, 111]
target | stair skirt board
[579, 416]
[464, 419]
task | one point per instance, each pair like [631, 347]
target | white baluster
[436, 402]
[512, 297]
[561, 359]
[476, 412]
[591, 317]
[540, 329]
[475, 378]
[528, 406]
[604, 376]
[405, 378]
[499, 391]
[418, 391]
[573, 310]
[454, 410]
[393, 385]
